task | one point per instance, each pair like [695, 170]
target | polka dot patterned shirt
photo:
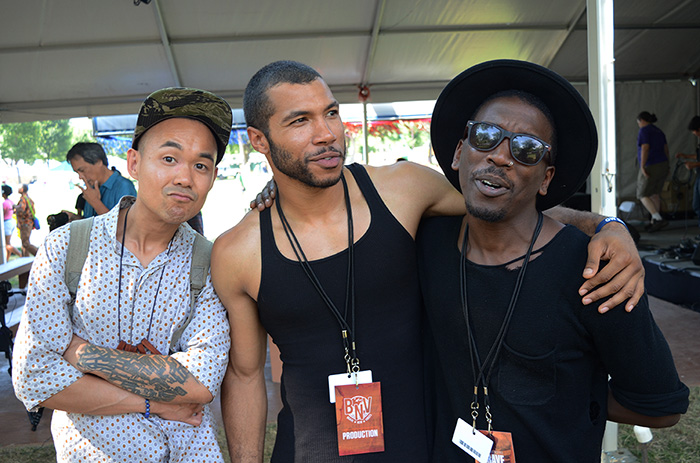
[47, 327]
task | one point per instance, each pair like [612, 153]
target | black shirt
[550, 383]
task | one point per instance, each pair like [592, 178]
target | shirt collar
[112, 179]
[183, 239]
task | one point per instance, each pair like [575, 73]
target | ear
[133, 158]
[258, 140]
[548, 175]
[457, 156]
[216, 173]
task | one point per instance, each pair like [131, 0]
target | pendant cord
[119, 293]
[483, 377]
[347, 328]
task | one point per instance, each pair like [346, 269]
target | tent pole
[601, 100]
[365, 131]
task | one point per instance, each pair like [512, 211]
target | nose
[183, 175]
[500, 155]
[324, 132]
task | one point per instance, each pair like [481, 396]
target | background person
[8, 221]
[694, 127]
[24, 211]
[652, 159]
[104, 187]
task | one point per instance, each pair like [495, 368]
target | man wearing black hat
[517, 355]
[132, 354]
[331, 275]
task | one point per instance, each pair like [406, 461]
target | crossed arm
[118, 382]
[91, 395]
[153, 377]
[108, 381]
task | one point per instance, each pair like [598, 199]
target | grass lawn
[679, 444]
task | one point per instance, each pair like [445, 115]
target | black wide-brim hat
[577, 139]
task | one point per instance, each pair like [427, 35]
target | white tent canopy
[90, 58]
[87, 58]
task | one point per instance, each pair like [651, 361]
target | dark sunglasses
[526, 149]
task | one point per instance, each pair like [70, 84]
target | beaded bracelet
[607, 220]
[148, 409]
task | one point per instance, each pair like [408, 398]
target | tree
[30, 141]
[18, 142]
[54, 139]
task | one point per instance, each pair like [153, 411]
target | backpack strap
[78, 247]
[199, 269]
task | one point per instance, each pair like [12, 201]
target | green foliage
[31, 141]
[54, 139]
[18, 141]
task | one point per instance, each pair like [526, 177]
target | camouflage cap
[200, 105]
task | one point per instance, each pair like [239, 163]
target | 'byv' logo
[358, 409]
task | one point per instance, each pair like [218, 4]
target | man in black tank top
[330, 267]
[517, 355]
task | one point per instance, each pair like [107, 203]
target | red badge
[358, 414]
[502, 450]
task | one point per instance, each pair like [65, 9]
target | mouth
[490, 184]
[329, 158]
[180, 196]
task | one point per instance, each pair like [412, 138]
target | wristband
[607, 220]
[148, 409]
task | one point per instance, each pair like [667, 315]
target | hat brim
[577, 139]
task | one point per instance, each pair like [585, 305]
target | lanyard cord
[119, 293]
[494, 351]
[352, 362]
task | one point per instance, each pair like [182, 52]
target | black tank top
[387, 314]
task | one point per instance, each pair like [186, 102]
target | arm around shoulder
[622, 279]
[412, 191]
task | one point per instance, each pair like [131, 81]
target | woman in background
[652, 158]
[8, 221]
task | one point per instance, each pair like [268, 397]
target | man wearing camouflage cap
[129, 361]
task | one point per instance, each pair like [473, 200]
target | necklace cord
[495, 349]
[346, 328]
[119, 293]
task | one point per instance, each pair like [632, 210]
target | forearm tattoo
[153, 377]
